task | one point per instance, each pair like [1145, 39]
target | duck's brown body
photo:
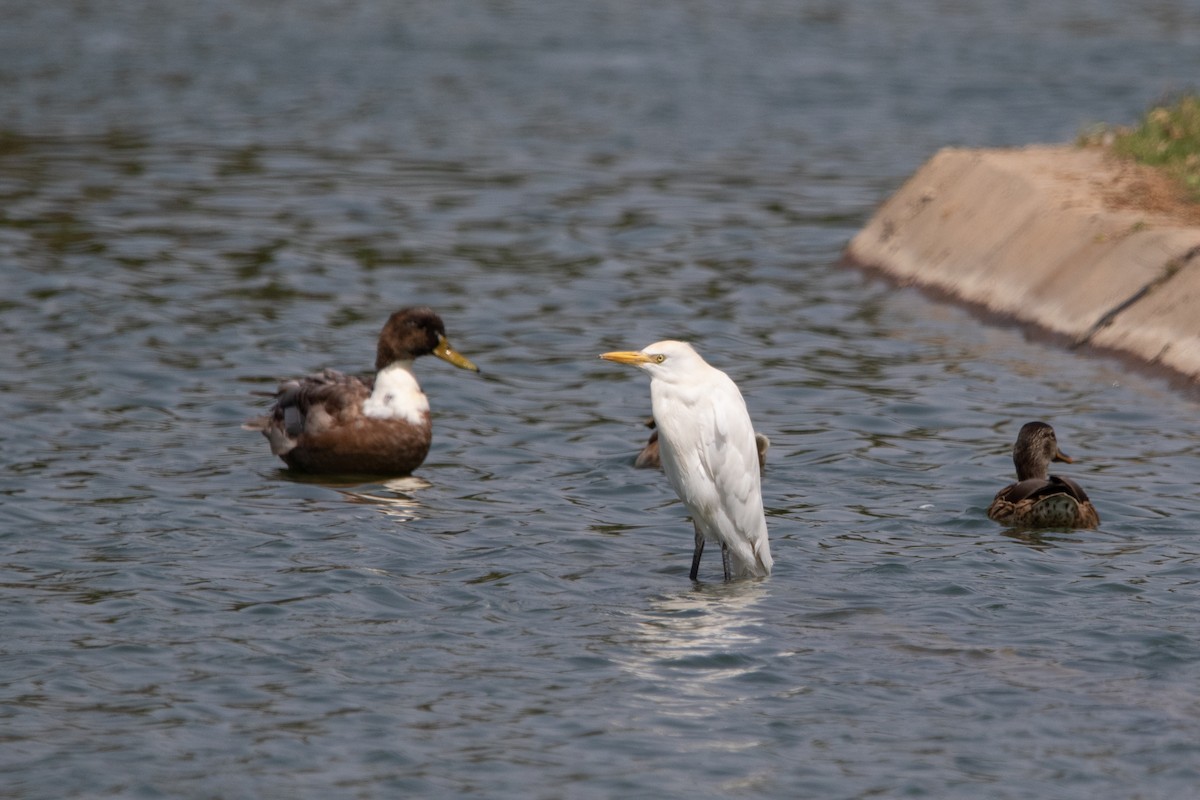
[318, 425]
[1038, 499]
[330, 422]
[1056, 502]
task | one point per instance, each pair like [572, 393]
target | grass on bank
[1168, 137]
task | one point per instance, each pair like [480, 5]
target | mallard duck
[649, 457]
[1038, 499]
[329, 422]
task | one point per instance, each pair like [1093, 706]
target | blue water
[197, 199]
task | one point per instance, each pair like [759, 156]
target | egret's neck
[397, 395]
[665, 393]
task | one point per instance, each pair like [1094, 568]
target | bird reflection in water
[697, 637]
[393, 498]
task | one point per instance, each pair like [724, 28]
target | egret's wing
[733, 463]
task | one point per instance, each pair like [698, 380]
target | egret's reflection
[697, 637]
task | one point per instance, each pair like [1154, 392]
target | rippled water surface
[197, 199]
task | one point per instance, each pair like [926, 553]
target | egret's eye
[658, 359]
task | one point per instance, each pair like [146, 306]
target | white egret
[708, 452]
[334, 423]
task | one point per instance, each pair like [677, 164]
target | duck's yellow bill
[447, 353]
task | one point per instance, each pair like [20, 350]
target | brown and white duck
[379, 424]
[1038, 499]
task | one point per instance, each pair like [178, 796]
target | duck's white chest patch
[397, 396]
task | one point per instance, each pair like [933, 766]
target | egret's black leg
[696, 554]
[725, 559]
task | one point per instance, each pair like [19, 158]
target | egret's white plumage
[708, 452]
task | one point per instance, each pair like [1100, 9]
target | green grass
[1168, 137]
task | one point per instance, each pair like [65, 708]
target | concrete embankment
[1071, 240]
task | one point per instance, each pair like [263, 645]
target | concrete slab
[1163, 326]
[1064, 238]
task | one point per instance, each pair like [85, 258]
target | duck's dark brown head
[1036, 447]
[413, 332]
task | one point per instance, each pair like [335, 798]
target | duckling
[1038, 499]
[330, 422]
